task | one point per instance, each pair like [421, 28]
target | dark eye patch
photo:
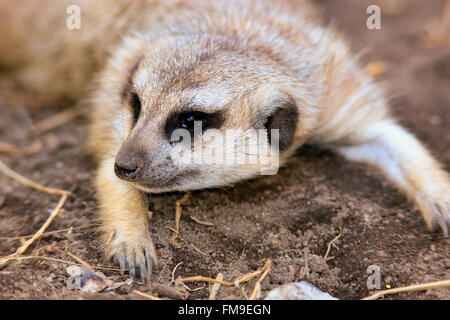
[187, 119]
[285, 119]
[135, 104]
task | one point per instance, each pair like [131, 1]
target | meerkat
[148, 69]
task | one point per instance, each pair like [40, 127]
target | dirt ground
[290, 218]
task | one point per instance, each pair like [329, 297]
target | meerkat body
[149, 69]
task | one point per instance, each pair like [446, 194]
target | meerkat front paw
[125, 226]
[134, 252]
[433, 199]
[436, 213]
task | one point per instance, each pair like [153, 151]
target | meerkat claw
[121, 260]
[149, 262]
[143, 263]
[443, 223]
[137, 263]
[439, 218]
[142, 268]
[132, 269]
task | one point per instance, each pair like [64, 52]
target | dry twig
[10, 149]
[419, 287]
[58, 119]
[38, 234]
[61, 261]
[247, 277]
[215, 287]
[27, 182]
[176, 231]
[205, 223]
[173, 272]
[54, 213]
[332, 243]
[49, 232]
[257, 289]
[148, 296]
[84, 263]
[204, 279]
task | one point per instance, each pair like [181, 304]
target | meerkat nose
[126, 171]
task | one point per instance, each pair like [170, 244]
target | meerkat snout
[129, 163]
[126, 170]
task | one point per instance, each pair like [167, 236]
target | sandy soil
[289, 218]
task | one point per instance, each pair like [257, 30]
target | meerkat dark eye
[187, 120]
[135, 104]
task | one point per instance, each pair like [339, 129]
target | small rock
[86, 280]
[298, 291]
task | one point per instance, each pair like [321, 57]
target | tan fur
[242, 57]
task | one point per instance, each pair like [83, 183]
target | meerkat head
[199, 113]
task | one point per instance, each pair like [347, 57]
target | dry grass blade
[257, 289]
[173, 271]
[27, 182]
[10, 149]
[248, 277]
[49, 232]
[419, 287]
[244, 293]
[61, 261]
[148, 296]
[84, 263]
[58, 119]
[256, 293]
[173, 240]
[215, 287]
[332, 243]
[55, 212]
[204, 279]
[205, 223]
[38, 234]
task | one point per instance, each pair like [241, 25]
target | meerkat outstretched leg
[124, 215]
[405, 162]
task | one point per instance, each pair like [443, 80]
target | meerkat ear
[284, 117]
